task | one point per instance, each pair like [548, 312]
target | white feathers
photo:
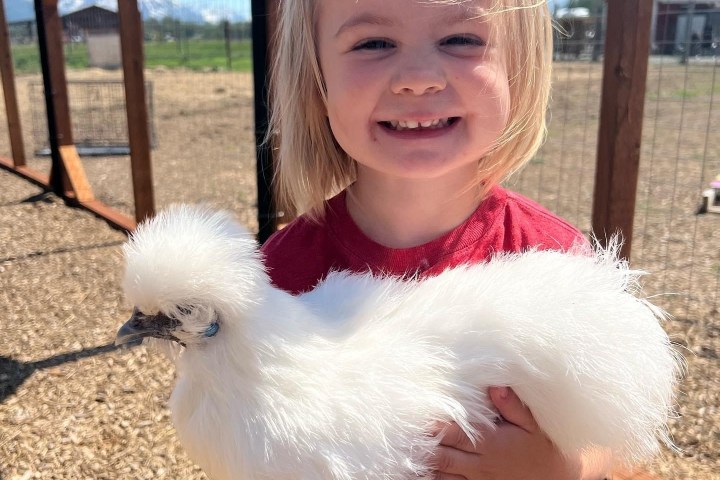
[345, 382]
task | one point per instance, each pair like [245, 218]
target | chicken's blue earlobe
[211, 330]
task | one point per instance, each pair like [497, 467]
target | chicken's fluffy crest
[346, 381]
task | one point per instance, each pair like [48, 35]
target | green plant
[195, 54]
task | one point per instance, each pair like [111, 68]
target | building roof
[91, 18]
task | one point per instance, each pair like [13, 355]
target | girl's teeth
[413, 124]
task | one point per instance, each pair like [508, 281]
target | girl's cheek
[362, 73]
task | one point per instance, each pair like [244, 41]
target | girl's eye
[464, 40]
[374, 44]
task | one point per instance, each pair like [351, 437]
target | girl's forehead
[456, 10]
[470, 5]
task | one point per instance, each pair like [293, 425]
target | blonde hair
[311, 166]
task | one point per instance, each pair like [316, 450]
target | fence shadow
[13, 373]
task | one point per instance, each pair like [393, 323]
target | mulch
[72, 405]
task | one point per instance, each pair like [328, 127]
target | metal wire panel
[680, 151]
[99, 118]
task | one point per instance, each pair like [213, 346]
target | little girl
[396, 120]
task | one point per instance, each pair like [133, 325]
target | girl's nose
[418, 78]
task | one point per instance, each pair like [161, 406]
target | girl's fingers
[454, 437]
[512, 409]
[447, 460]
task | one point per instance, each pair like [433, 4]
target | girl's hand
[516, 450]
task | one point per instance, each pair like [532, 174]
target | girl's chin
[434, 170]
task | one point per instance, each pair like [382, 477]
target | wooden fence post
[67, 177]
[627, 48]
[133, 60]
[7, 71]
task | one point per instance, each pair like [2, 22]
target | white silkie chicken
[346, 382]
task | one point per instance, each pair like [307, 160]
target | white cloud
[67, 6]
[211, 16]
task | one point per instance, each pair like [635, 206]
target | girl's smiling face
[415, 90]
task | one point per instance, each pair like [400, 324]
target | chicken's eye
[212, 329]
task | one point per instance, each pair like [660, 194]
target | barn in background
[670, 32]
[92, 20]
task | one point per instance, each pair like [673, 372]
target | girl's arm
[516, 450]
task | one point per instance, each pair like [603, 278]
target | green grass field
[192, 54]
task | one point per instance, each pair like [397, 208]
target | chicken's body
[347, 381]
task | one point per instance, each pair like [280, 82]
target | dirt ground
[72, 406]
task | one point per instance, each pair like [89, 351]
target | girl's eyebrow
[367, 18]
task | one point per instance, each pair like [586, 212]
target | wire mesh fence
[680, 153]
[98, 114]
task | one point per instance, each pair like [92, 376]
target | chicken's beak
[140, 326]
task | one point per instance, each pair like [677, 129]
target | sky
[219, 7]
[211, 10]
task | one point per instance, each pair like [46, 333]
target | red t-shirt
[302, 253]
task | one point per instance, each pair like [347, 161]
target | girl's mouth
[416, 125]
